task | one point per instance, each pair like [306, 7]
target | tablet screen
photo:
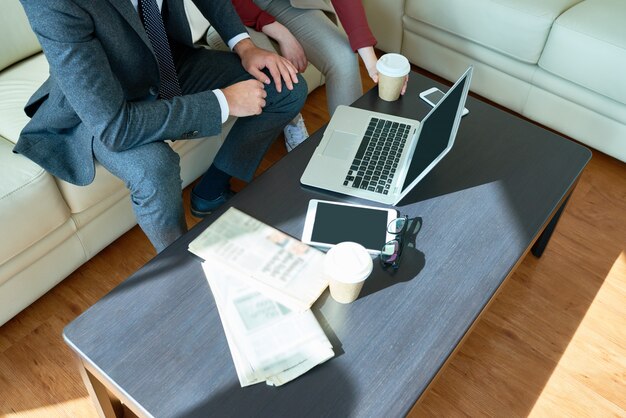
[338, 223]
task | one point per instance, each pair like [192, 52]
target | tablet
[329, 223]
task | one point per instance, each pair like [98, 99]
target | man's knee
[157, 175]
[297, 94]
[301, 90]
[289, 100]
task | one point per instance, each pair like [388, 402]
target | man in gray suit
[105, 101]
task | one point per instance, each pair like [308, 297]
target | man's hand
[290, 48]
[245, 98]
[255, 59]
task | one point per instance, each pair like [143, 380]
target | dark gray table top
[158, 339]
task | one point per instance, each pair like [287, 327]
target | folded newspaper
[268, 342]
[270, 261]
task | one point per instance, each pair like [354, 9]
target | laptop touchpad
[341, 145]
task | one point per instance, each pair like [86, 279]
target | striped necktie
[153, 23]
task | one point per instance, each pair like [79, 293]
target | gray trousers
[325, 46]
[152, 172]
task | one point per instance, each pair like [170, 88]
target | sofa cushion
[17, 84]
[517, 28]
[82, 198]
[17, 40]
[30, 203]
[587, 46]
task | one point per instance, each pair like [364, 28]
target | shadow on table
[328, 330]
[261, 400]
[453, 174]
[411, 263]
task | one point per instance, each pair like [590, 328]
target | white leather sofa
[48, 227]
[561, 63]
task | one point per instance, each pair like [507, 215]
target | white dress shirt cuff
[236, 39]
[223, 104]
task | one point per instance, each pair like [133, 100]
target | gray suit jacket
[104, 81]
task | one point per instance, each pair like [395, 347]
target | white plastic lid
[348, 262]
[393, 65]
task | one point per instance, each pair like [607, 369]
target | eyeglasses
[392, 250]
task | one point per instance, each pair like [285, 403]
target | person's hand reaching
[369, 59]
[290, 48]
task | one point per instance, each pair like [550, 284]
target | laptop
[381, 157]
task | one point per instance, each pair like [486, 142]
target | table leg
[540, 245]
[106, 405]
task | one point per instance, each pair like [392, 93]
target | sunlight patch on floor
[595, 356]
[79, 407]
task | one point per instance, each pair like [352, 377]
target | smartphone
[433, 95]
[329, 223]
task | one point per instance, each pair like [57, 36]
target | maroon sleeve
[251, 15]
[351, 14]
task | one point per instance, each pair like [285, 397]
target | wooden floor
[552, 344]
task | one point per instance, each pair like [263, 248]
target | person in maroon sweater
[305, 35]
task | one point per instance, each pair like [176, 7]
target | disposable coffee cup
[346, 266]
[392, 70]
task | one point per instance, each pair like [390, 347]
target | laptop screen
[436, 133]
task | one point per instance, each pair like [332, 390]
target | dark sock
[212, 184]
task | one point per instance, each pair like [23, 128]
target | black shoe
[201, 207]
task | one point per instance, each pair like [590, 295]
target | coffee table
[156, 342]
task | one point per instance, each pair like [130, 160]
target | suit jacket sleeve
[81, 67]
[222, 16]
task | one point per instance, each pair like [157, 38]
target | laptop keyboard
[377, 159]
